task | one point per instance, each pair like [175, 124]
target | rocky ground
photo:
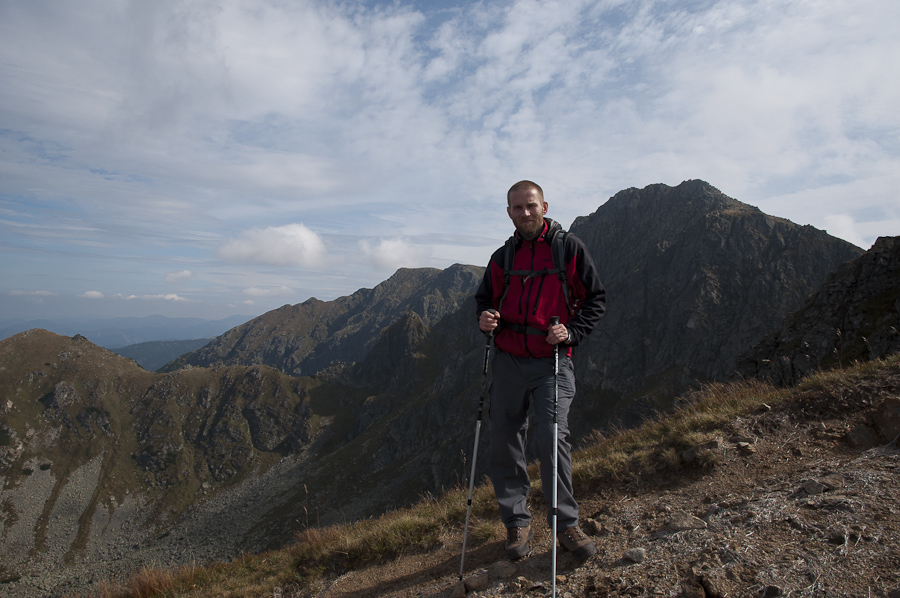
[800, 504]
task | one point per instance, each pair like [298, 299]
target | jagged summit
[689, 199]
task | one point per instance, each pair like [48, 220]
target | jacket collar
[551, 227]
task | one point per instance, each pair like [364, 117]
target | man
[517, 300]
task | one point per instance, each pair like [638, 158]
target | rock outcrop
[855, 315]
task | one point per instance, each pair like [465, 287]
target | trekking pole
[553, 322]
[487, 357]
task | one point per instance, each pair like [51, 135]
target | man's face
[526, 209]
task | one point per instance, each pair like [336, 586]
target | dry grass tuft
[150, 582]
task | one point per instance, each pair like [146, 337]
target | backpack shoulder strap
[559, 263]
[509, 252]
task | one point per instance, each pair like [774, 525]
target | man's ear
[545, 208]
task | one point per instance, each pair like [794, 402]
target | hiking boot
[575, 541]
[517, 539]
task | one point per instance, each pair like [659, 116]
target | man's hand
[489, 320]
[557, 334]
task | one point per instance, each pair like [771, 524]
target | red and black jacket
[535, 293]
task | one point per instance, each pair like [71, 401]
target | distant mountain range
[327, 411]
[120, 332]
[315, 336]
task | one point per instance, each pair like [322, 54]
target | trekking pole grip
[490, 333]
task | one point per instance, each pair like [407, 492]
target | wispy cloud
[179, 276]
[268, 292]
[161, 297]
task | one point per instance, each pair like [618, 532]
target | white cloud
[857, 211]
[161, 132]
[173, 277]
[390, 254]
[92, 295]
[288, 245]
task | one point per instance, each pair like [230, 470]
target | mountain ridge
[313, 336]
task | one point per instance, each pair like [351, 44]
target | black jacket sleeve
[588, 290]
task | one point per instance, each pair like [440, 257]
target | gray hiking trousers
[519, 383]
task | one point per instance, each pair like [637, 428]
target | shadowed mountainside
[98, 455]
[855, 315]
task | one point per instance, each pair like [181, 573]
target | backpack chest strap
[523, 329]
[533, 273]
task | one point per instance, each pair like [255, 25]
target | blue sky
[209, 158]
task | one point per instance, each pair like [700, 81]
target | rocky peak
[693, 278]
[660, 207]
